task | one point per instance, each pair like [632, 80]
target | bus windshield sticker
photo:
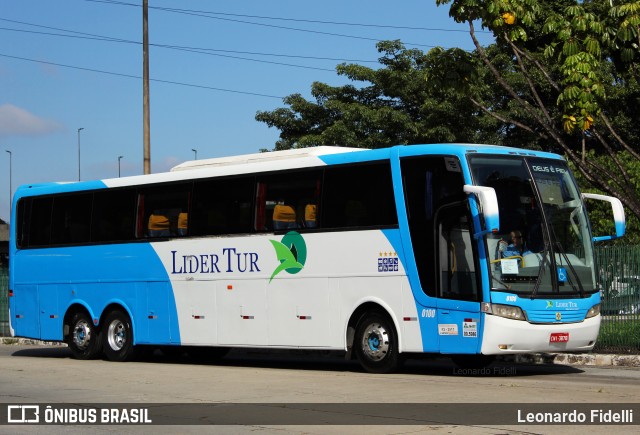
[452, 164]
[509, 266]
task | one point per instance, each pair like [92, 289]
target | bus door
[458, 306]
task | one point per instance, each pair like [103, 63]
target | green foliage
[599, 212]
[411, 99]
[562, 76]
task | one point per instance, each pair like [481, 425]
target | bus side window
[221, 206]
[113, 215]
[287, 200]
[71, 219]
[39, 232]
[358, 196]
[162, 211]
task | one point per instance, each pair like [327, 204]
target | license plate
[559, 337]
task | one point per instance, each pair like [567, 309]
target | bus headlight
[506, 311]
[593, 311]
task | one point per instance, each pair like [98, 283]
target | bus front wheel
[117, 337]
[376, 344]
[84, 339]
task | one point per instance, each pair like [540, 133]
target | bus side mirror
[618, 215]
[488, 205]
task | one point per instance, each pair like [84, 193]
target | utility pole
[10, 183]
[79, 130]
[146, 148]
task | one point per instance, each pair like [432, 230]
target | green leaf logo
[291, 252]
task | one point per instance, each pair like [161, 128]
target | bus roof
[274, 161]
[263, 157]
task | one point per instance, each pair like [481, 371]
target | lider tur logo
[291, 252]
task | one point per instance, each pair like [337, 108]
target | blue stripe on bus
[90, 275]
[48, 188]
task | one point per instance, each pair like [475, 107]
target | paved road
[40, 374]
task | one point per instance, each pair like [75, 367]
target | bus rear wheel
[84, 338]
[376, 344]
[117, 337]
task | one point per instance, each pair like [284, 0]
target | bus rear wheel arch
[375, 342]
[117, 336]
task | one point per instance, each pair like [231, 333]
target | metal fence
[619, 275]
[4, 302]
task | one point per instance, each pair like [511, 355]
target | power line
[300, 20]
[192, 85]
[205, 51]
[110, 38]
[200, 50]
[209, 16]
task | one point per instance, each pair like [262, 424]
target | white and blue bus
[378, 253]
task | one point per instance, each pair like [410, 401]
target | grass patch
[619, 334]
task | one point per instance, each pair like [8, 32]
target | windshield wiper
[544, 261]
[561, 251]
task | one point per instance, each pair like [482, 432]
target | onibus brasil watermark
[58, 414]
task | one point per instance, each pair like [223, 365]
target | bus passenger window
[221, 206]
[162, 211]
[358, 196]
[287, 200]
[113, 215]
[71, 219]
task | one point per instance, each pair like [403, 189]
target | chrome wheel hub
[375, 342]
[117, 335]
[82, 334]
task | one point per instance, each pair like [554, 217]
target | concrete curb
[585, 359]
[28, 341]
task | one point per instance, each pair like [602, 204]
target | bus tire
[117, 337]
[84, 337]
[376, 343]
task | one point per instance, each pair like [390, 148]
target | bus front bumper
[506, 336]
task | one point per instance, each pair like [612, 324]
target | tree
[561, 76]
[578, 63]
[394, 105]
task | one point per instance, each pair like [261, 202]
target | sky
[67, 65]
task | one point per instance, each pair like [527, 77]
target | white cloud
[15, 121]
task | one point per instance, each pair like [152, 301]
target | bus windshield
[544, 243]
